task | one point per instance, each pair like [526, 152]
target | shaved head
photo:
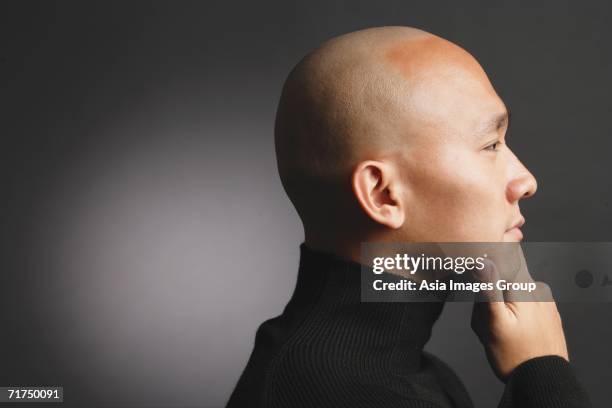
[377, 94]
[337, 102]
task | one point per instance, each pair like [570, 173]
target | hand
[513, 332]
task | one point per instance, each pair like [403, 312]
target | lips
[516, 229]
[518, 234]
[518, 224]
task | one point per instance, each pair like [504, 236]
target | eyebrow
[495, 123]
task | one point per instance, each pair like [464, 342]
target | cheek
[457, 198]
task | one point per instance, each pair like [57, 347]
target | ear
[378, 189]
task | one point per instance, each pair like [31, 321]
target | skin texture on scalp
[339, 102]
[420, 106]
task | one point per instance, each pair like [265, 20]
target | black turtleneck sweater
[329, 349]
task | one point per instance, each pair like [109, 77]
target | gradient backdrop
[145, 233]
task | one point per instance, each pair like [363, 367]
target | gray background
[145, 234]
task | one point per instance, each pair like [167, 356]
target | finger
[543, 293]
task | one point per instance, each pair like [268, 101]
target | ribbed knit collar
[371, 335]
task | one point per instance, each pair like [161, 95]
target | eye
[493, 146]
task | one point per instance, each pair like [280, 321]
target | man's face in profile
[415, 124]
[463, 183]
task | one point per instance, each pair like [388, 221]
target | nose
[522, 183]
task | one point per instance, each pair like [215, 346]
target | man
[393, 134]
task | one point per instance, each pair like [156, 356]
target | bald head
[337, 102]
[370, 94]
